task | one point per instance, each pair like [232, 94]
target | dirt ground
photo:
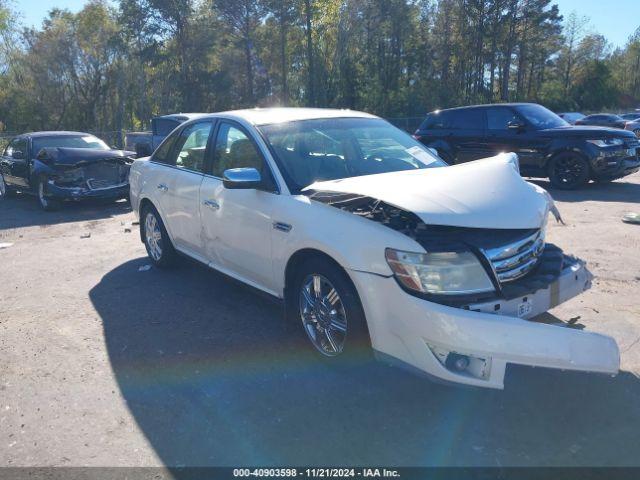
[102, 364]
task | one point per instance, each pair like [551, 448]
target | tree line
[112, 66]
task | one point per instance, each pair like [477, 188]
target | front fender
[40, 168]
[355, 243]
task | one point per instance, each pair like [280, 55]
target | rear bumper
[423, 334]
[78, 193]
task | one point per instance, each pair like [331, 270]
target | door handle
[163, 188]
[211, 204]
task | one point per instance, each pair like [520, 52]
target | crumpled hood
[487, 193]
[79, 156]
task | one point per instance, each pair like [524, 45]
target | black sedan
[603, 120]
[59, 166]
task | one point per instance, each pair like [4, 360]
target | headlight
[441, 273]
[609, 142]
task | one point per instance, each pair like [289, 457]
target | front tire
[156, 239]
[568, 171]
[325, 304]
[46, 203]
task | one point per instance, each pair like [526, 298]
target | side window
[499, 118]
[17, 145]
[234, 149]
[163, 152]
[191, 146]
[467, 119]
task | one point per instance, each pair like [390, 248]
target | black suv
[546, 145]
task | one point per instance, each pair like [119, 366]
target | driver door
[237, 224]
[14, 164]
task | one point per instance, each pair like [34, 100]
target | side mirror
[241, 179]
[17, 154]
[515, 125]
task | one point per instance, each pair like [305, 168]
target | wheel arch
[294, 262]
[566, 148]
[302, 255]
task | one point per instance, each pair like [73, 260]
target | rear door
[177, 181]
[456, 134]
[467, 127]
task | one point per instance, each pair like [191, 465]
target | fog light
[470, 365]
[457, 362]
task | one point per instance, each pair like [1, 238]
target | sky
[615, 19]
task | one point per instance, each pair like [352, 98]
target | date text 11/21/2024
[317, 472]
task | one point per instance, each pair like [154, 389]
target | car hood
[586, 131]
[79, 156]
[486, 193]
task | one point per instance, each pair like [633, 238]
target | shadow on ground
[213, 376]
[618, 191]
[23, 210]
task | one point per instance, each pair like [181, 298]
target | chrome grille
[100, 184]
[105, 174]
[515, 260]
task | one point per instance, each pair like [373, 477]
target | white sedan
[373, 243]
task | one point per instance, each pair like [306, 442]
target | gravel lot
[102, 364]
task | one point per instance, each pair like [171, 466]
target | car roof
[266, 116]
[183, 117]
[53, 133]
[485, 105]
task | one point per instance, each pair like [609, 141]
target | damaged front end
[517, 262]
[468, 335]
[74, 173]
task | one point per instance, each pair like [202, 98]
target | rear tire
[156, 239]
[46, 203]
[568, 171]
[325, 306]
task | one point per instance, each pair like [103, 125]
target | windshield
[79, 141]
[541, 117]
[308, 151]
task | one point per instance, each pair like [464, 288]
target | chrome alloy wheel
[153, 236]
[323, 315]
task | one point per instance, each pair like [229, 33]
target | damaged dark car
[59, 166]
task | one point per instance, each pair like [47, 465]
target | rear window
[465, 119]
